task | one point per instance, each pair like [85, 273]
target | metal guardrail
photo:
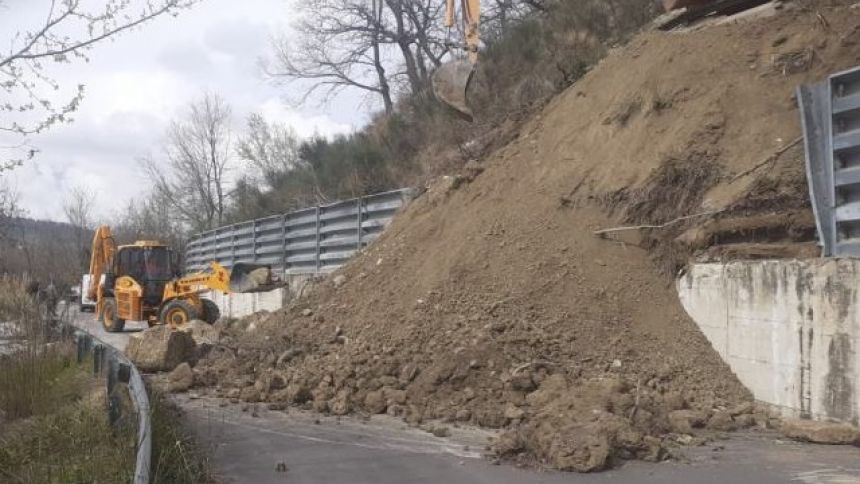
[308, 241]
[830, 114]
[116, 368]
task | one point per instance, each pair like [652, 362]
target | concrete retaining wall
[789, 329]
[241, 305]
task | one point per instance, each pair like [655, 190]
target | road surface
[253, 444]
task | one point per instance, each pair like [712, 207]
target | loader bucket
[450, 83]
[251, 278]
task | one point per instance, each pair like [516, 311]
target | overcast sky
[138, 83]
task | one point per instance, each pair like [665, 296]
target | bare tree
[369, 46]
[197, 154]
[8, 206]
[269, 148]
[152, 218]
[66, 33]
[78, 207]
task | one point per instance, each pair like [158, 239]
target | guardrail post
[232, 246]
[254, 240]
[317, 256]
[359, 202]
[98, 351]
[284, 243]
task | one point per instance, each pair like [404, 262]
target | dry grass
[176, 458]
[53, 417]
[74, 443]
[39, 374]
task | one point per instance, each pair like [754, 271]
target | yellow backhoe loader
[139, 282]
[451, 80]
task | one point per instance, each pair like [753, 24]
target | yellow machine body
[139, 282]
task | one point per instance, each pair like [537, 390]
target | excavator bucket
[451, 83]
[246, 277]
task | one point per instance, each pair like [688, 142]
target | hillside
[43, 249]
[491, 301]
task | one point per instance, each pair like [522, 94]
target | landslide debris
[490, 301]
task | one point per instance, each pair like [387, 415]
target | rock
[745, 420]
[392, 395]
[684, 421]
[408, 373]
[821, 432]
[307, 312]
[160, 349]
[513, 412]
[339, 280]
[722, 420]
[742, 408]
[523, 382]
[441, 431]
[250, 394]
[440, 188]
[339, 405]
[180, 379]
[202, 332]
[472, 169]
[490, 418]
[374, 402]
[589, 452]
[674, 401]
[287, 356]
[297, 393]
[396, 410]
[463, 415]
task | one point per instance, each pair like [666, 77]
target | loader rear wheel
[110, 320]
[211, 313]
[177, 312]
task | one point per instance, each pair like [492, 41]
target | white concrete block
[789, 329]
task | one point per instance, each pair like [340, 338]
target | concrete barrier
[241, 305]
[789, 329]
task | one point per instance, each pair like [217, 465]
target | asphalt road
[253, 444]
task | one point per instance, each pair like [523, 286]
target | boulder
[160, 349]
[339, 405]
[374, 402]
[684, 421]
[722, 420]
[202, 332]
[821, 432]
[180, 379]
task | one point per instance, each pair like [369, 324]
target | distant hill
[43, 249]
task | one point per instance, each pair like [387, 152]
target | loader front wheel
[110, 320]
[211, 313]
[177, 313]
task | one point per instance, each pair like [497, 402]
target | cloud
[136, 84]
[305, 125]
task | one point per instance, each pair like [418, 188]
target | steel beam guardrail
[830, 115]
[117, 367]
[309, 241]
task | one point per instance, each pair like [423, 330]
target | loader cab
[150, 264]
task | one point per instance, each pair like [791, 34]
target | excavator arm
[218, 279]
[102, 253]
[243, 278]
[451, 80]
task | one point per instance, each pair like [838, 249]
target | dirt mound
[491, 301]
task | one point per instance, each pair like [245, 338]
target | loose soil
[490, 301]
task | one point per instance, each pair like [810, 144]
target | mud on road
[250, 443]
